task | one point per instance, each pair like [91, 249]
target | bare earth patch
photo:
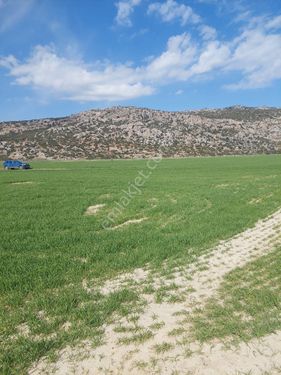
[158, 340]
[22, 183]
[128, 222]
[93, 210]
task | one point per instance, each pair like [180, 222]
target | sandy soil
[181, 355]
[128, 222]
[22, 183]
[93, 210]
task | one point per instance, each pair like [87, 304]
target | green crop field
[49, 247]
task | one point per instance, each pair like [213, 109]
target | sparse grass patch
[177, 331]
[126, 329]
[137, 338]
[149, 289]
[48, 333]
[248, 304]
[156, 326]
[141, 365]
[174, 298]
[203, 267]
[162, 348]
[166, 293]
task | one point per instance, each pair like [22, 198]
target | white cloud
[74, 80]
[207, 32]
[275, 23]
[258, 57]
[8, 62]
[125, 9]
[179, 92]
[171, 10]
[174, 62]
[213, 56]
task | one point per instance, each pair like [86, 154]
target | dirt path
[161, 343]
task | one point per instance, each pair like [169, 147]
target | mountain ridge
[133, 132]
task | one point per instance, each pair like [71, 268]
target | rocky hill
[128, 132]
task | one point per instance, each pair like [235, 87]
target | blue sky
[64, 56]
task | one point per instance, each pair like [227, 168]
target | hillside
[128, 132]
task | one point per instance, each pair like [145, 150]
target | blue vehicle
[15, 164]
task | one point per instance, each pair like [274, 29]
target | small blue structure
[15, 164]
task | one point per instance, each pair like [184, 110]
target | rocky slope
[128, 132]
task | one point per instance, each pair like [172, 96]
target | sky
[59, 57]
